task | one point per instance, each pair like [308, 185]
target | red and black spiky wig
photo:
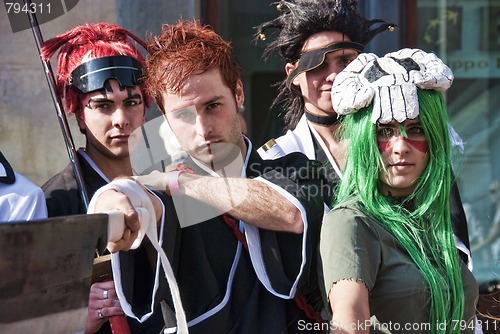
[84, 43]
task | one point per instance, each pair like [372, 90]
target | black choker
[322, 120]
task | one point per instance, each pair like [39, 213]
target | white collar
[92, 164]
[3, 172]
[325, 149]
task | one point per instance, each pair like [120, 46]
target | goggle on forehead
[92, 75]
[309, 60]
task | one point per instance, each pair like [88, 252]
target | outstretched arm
[250, 200]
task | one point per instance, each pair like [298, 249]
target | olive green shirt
[355, 247]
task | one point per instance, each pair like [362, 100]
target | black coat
[204, 253]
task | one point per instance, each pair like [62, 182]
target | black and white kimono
[62, 193]
[223, 287]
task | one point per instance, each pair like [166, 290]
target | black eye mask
[311, 59]
[92, 75]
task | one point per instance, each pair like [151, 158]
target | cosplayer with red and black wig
[83, 44]
[100, 79]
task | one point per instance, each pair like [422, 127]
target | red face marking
[420, 145]
[383, 145]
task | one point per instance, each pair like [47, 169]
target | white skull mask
[390, 82]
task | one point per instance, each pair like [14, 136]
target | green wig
[422, 221]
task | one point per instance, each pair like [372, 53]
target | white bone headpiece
[390, 82]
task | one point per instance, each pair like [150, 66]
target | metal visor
[92, 75]
[311, 59]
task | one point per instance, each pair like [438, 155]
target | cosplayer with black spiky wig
[316, 39]
[300, 19]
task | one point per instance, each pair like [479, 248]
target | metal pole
[63, 122]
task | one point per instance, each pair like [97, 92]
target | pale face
[109, 117]
[204, 118]
[316, 84]
[405, 159]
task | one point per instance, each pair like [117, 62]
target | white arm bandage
[147, 219]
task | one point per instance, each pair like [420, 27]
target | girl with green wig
[388, 254]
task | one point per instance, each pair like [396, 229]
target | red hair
[84, 43]
[184, 49]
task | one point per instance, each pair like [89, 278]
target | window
[465, 34]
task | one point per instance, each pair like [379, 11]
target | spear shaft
[61, 116]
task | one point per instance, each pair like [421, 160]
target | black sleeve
[458, 218]
[285, 253]
[62, 195]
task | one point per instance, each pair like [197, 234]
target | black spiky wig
[296, 22]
